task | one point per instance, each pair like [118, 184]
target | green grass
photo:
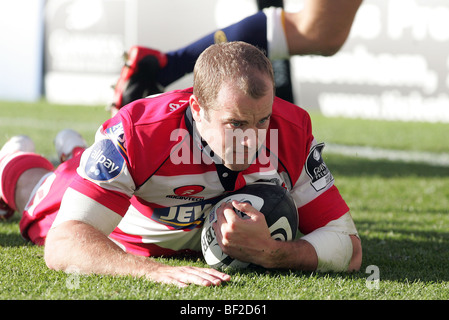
[416, 136]
[400, 209]
[42, 121]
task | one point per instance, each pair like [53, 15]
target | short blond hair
[236, 63]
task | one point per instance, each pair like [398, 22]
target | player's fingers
[183, 276]
[167, 278]
[175, 282]
[225, 215]
[246, 208]
[215, 276]
[227, 220]
[222, 276]
[228, 212]
[203, 276]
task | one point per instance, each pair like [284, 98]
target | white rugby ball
[274, 201]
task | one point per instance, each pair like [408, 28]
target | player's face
[237, 126]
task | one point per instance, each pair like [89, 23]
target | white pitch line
[42, 124]
[429, 158]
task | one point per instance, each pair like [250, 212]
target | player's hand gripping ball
[272, 200]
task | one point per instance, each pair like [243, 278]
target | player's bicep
[79, 207]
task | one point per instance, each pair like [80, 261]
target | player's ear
[195, 108]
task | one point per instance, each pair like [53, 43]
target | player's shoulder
[288, 115]
[158, 108]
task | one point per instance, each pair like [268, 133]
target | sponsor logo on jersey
[187, 193]
[105, 162]
[188, 190]
[186, 217]
[317, 169]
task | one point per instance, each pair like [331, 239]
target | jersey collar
[198, 141]
[228, 177]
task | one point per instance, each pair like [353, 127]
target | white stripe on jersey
[150, 231]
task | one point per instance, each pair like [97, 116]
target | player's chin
[237, 166]
[238, 161]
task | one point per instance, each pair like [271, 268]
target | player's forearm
[298, 255]
[78, 245]
[301, 255]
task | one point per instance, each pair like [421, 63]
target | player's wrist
[273, 255]
[289, 255]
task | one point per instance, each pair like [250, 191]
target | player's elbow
[51, 252]
[56, 249]
[52, 262]
[356, 259]
[337, 251]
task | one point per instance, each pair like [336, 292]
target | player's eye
[264, 121]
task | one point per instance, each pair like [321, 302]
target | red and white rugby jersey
[149, 165]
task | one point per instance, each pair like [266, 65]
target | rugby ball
[274, 201]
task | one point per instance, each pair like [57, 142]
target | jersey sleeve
[303, 169]
[317, 198]
[77, 206]
[103, 173]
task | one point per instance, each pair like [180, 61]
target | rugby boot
[138, 76]
[68, 143]
[14, 145]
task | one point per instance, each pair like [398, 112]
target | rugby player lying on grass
[143, 188]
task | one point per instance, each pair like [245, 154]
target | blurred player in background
[320, 28]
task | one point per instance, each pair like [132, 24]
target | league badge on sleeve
[317, 169]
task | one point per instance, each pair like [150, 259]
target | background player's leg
[252, 29]
[148, 71]
[281, 67]
[17, 157]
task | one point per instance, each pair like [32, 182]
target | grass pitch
[400, 209]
